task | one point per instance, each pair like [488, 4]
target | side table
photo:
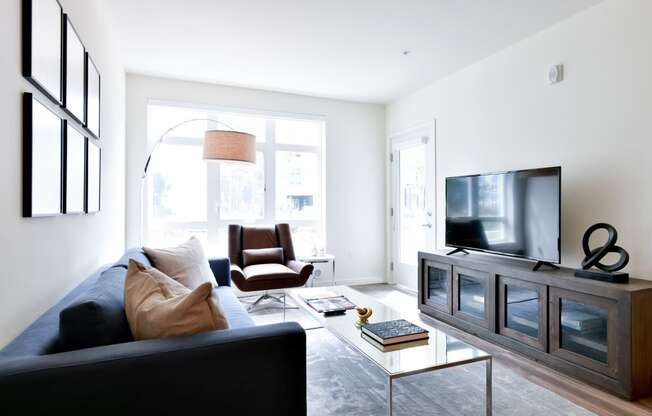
[324, 273]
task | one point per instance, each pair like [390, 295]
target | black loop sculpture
[593, 256]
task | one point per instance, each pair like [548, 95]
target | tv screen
[513, 213]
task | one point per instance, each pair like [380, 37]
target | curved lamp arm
[149, 159]
[168, 131]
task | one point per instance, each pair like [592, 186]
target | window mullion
[146, 206]
[270, 171]
[212, 202]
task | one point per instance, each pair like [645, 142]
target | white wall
[43, 258]
[354, 157]
[500, 114]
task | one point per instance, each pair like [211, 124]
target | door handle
[427, 225]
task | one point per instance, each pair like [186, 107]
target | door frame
[403, 138]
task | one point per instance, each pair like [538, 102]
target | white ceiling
[332, 48]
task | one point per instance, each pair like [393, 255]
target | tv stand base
[538, 265]
[457, 250]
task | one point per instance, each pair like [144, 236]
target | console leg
[538, 265]
[457, 250]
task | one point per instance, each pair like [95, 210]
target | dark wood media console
[598, 332]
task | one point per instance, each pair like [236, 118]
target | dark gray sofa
[245, 370]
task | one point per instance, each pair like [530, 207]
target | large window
[185, 195]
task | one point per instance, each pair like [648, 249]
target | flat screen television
[515, 213]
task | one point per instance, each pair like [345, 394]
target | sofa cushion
[268, 272]
[253, 256]
[97, 317]
[185, 263]
[233, 309]
[158, 306]
[135, 254]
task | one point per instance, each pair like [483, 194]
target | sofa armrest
[220, 268]
[220, 370]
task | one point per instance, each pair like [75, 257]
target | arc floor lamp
[218, 145]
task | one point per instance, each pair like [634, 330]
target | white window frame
[214, 223]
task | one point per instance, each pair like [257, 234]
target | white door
[413, 202]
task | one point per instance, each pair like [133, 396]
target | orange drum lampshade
[229, 145]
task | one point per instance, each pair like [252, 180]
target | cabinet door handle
[427, 225]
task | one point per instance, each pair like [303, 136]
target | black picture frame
[74, 168]
[93, 97]
[46, 36]
[74, 72]
[93, 176]
[42, 161]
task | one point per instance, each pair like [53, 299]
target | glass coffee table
[442, 351]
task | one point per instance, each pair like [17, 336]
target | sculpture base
[602, 276]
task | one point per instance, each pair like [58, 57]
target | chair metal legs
[267, 300]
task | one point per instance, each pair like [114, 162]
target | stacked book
[394, 335]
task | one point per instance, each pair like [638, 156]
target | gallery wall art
[93, 97]
[61, 118]
[75, 171]
[75, 75]
[42, 159]
[94, 171]
[42, 46]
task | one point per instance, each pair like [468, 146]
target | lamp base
[602, 276]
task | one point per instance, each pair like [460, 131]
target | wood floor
[591, 398]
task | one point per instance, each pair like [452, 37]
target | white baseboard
[372, 280]
[407, 289]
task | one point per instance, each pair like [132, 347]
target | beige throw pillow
[158, 306]
[186, 263]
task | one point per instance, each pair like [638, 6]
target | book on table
[394, 347]
[394, 332]
[328, 301]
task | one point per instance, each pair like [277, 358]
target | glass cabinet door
[437, 285]
[584, 329]
[523, 313]
[472, 297]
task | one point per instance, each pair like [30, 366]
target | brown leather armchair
[262, 258]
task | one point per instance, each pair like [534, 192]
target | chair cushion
[186, 263]
[259, 237]
[97, 317]
[158, 306]
[253, 256]
[269, 271]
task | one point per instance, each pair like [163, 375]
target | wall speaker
[555, 74]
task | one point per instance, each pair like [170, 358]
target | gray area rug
[343, 382]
